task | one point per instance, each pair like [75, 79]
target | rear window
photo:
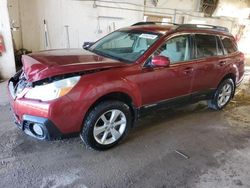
[206, 45]
[229, 45]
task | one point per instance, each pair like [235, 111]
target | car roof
[176, 28]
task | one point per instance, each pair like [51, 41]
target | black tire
[214, 102]
[94, 116]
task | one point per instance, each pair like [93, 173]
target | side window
[229, 45]
[206, 45]
[177, 49]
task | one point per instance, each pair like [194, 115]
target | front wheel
[222, 95]
[106, 124]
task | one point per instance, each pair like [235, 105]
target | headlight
[53, 90]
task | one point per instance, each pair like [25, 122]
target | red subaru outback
[99, 92]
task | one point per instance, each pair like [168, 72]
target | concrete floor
[218, 144]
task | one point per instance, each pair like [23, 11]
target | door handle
[188, 70]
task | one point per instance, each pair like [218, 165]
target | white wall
[175, 9]
[188, 5]
[7, 62]
[233, 8]
[14, 12]
[188, 10]
[81, 17]
[84, 25]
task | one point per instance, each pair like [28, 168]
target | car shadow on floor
[163, 115]
[166, 118]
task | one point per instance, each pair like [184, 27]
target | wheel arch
[227, 76]
[119, 96]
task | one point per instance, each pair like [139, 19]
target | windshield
[124, 45]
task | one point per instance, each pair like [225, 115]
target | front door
[159, 84]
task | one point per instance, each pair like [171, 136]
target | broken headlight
[52, 90]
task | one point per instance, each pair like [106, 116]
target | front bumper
[52, 118]
[49, 130]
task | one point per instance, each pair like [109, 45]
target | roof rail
[153, 23]
[203, 26]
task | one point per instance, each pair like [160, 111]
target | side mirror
[87, 45]
[160, 61]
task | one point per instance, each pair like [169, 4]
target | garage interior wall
[85, 22]
[89, 20]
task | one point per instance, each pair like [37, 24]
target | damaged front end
[17, 84]
[30, 103]
[40, 92]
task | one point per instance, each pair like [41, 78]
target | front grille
[26, 125]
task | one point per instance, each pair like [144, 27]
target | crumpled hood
[45, 64]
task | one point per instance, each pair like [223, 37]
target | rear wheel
[106, 125]
[222, 95]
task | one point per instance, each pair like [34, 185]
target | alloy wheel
[109, 127]
[224, 95]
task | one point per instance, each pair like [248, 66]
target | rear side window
[206, 45]
[229, 45]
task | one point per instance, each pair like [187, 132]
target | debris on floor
[182, 154]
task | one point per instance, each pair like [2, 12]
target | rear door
[209, 62]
